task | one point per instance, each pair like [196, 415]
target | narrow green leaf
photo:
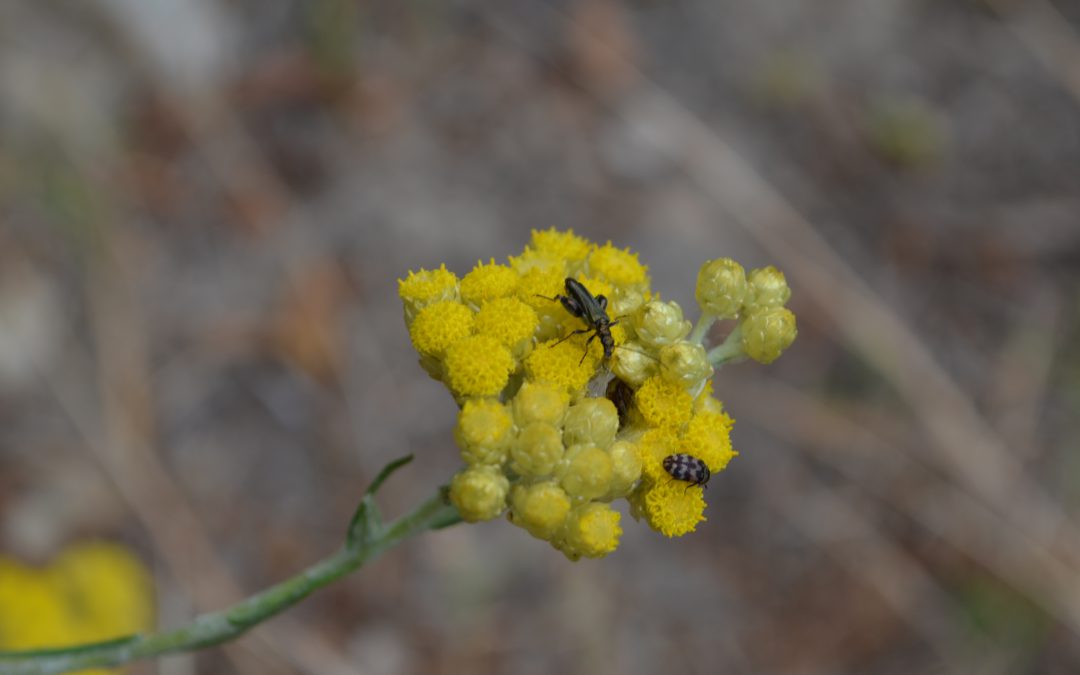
[367, 521]
[387, 471]
[446, 520]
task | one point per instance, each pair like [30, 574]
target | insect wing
[591, 311]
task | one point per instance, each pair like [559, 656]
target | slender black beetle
[590, 309]
[687, 468]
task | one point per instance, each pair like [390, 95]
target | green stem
[224, 625]
[704, 323]
[730, 350]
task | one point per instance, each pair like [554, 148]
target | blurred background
[205, 206]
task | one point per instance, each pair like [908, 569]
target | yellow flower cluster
[541, 441]
[91, 592]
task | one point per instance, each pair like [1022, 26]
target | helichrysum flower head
[488, 282]
[420, 289]
[540, 441]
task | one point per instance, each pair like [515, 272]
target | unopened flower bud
[660, 323]
[538, 449]
[484, 431]
[591, 420]
[632, 364]
[626, 467]
[686, 364]
[592, 531]
[585, 471]
[768, 288]
[540, 402]
[540, 508]
[721, 287]
[479, 493]
[767, 333]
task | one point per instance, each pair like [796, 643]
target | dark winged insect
[687, 468]
[590, 309]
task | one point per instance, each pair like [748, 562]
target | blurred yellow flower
[92, 592]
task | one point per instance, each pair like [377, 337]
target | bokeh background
[205, 206]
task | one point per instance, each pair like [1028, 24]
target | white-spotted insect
[688, 468]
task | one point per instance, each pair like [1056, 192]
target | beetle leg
[572, 334]
[587, 343]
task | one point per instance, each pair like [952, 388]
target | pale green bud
[767, 333]
[626, 467]
[592, 420]
[633, 364]
[660, 323]
[540, 402]
[721, 288]
[479, 493]
[540, 508]
[538, 449]
[768, 288]
[685, 363]
[585, 472]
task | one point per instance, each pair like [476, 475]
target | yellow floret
[509, 320]
[537, 450]
[708, 437]
[420, 289]
[619, 266]
[488, 282]
[440, 325]
[531, 261]
[585, 472]
[705, 401]
[625, 467]
[540, 402]
[670, 507]
[484, 431]
[478, 366]
[562, 365]
[663, 403]
[591, 420]
[563, 245]
[538, 288]
[479, 493]
[592, 531]
[541, 508]
[653, 446]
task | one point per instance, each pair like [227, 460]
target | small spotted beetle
[687, 468]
